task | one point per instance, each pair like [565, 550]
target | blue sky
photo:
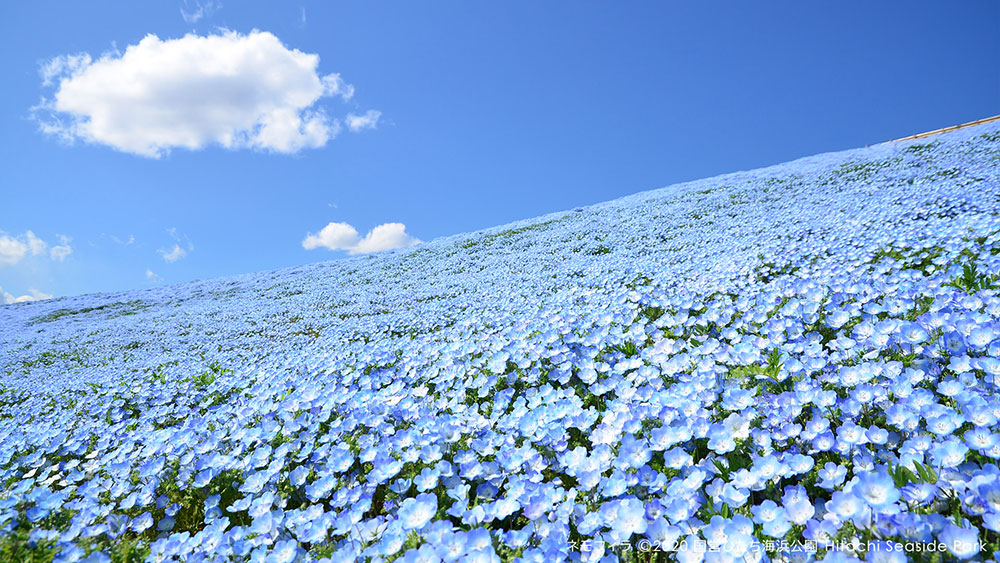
[211, 149]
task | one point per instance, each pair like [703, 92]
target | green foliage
[17, 547]
[921, 148]
[652, 313]
[49, 358]
[203, 380]
[902, 476]
[767, 377]
[921, 305]
[861, 170]
[910, 258]
[119, 307]
[971, 281]
[191, 515]
[509, 233]
[628, 348]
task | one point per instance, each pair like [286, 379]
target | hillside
[805, 352]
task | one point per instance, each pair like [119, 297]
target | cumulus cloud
[34, 295]
[343, 236]
[366, 121]
[14, 249]
[226, 89]
[11, 250]
[151, 275]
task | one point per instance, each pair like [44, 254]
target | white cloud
[151, 275]
[35, 295]
[201, 10]
[175, 254]
[63, 65]
[61, 251]
[342, 236]
[228, 89]
[116, 240]
[14, 249]
[36, 244]
[366, 121]
[11, 250]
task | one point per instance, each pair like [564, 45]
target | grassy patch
[119, 308]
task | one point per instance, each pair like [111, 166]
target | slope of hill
[791, 358]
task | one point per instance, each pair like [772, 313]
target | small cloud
[334, 85]
[225, 89]
[302, 18]
[343, 236]
[34, 295]
[151, 275]
[116, 240]
[61, 251]
[367, 121]
[178, 251]
[335, 236]
[201, 10]
[174, 255]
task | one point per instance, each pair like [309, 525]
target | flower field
[795, 363]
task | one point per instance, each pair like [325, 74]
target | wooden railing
[945, 130]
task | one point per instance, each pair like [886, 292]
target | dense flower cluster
[794, 363]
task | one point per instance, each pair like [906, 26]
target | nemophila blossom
[886, 552]
[980, 439]
[950, 453]
[913, 333]
[919, 492]
[415, 512]
[981, 336]
[877, 489]
[962, 543]
[844, 506]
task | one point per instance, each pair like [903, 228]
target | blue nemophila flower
[963, 543]
[954, 342]
[426, 480]
[919, 492]
[949, 453]
[630, 518]
[415, 512]
[981, 336]
[141, 523]
[877, 489]
[886, 552]
[283, 552]
[844, 506]
[913, 333]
